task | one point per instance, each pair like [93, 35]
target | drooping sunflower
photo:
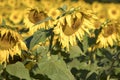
[74, 25]
[109, 35]
[11, 43]
[34, 16]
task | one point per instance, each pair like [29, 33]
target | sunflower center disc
[5, 44]
[35, 17]
[69, 30]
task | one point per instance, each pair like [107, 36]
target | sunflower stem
[51, 41]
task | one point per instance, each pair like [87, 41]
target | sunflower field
[59, 40]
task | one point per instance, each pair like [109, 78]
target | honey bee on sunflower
[11, 43]
[74, 24]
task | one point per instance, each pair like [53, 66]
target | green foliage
[18, 70]
[54, 68]
[39, 36]
[75, 51]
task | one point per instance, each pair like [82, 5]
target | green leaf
[107, 53]
[41, 50]
[1, 71]
[84, 66]
[3, 22]
[63, 8]
[85, 43]
[1, 67]
[18, 70]
[99, 53]
[89, 74]
[75, 63]
[117, 71]
[39, 36]
[54, 68]
[75, 51]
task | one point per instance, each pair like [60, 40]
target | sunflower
[33, 17]
[5, 12]
[16, 16]
[74, 25]
[28, 3]
[109, 35]
[11, 44]
[97, 7]
[2, 3]
[81, 3]
[54, 13]
[113, 12]
[102, 16]
[14, 3]
[48, 4]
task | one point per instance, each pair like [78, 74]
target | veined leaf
[117, 71]
[75, 63]
[75, 51]
[54, 68]
[39, 36]
[85, 43]
[18, 70]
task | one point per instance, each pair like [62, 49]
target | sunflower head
[109, 35]
[109, 30]
[74, 24]
[113, 11]
[54, 13]
[36, 19]
[16, 16]
[35, 16]
[29, 3]
[11, 44]
[12, 3]
[97, 7]
[102, 16]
